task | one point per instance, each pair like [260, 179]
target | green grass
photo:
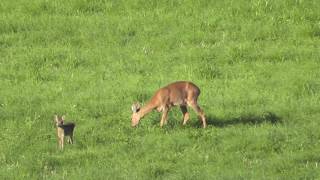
[256, 62]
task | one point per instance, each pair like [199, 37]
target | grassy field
[256, 62]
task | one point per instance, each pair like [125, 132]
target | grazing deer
[181, 93]
[64, 129]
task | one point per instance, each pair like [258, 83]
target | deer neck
[146, 109]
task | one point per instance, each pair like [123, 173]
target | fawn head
[58, 120]
[135, 118]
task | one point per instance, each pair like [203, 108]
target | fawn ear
[135, 107]
[56, 118]
[63, 117]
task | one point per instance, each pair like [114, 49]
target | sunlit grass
[256, 63]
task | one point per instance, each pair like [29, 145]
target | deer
[181, 93]
[63, 129]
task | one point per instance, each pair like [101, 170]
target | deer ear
[138, 106]
[63, 117]
[135, 107]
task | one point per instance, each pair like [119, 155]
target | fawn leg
[61, 142]
[71, 139]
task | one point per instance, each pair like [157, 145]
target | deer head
[135, 118]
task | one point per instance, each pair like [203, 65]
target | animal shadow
[250, 119]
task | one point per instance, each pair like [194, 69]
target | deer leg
[185, 113]
[164, 116]
[200, 113]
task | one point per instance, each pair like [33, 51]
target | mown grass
[256, 62]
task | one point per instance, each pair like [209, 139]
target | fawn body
[64, 129]
[181, 93]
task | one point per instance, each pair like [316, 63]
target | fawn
[64, 129]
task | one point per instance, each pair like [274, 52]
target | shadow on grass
[249, 119]
[213, 121]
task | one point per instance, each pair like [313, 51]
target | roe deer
[63, 129]
[181, 93]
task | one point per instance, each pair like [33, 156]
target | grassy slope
[256, 62]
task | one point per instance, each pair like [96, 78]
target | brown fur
[181, 93]
[64, 129]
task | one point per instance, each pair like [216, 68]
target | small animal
[181, 93]
[64, 129]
